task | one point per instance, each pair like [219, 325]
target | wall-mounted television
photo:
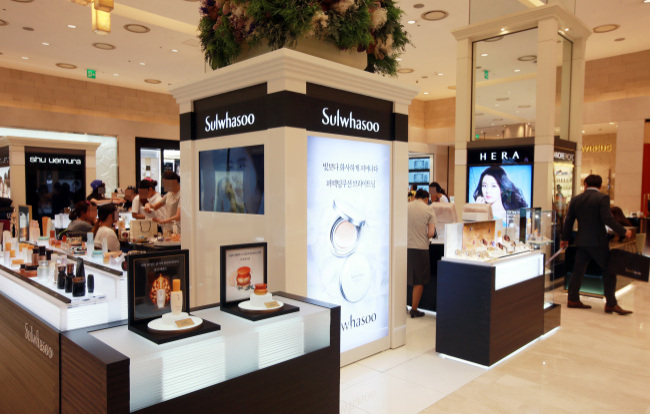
[231, 180]
[505, 187]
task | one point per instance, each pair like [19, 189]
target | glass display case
[483, 241]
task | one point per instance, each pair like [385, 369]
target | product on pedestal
[260, 301]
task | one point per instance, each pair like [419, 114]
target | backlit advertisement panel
[348, 215]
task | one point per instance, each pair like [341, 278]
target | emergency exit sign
[91, 74]
[485, 74]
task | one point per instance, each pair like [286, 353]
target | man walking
[592, 210]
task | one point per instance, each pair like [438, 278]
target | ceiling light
[23, 1]
[646, 1]
[405, 70]
[411, 22]
[29, 29]
[440, 74]
[152, 81]
[116, 74]
[503, 29]
[620, 39]
[104, 46]
[66, 66]
[426, 93]
[175, 50]
[82, 2]
[434, 15]
[142, 63]
[611, 123]
[45, 44]
[24, 57]
[583, 132]
[566, 30]
[4, 23]
[399, 59]
[72, 26]
[604, 28]
[103, 5]
[484, 54]
[527, 58]
[136, 28]
[418, 5]
[517, 70]
[101, 21]
[496, 104]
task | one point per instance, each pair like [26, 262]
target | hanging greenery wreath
[372, 26]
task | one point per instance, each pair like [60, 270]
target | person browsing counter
[171, 201]
[83, 219]
[104, 228]
[421, 227]
[437, 194]
[146, 194]
[592, 210]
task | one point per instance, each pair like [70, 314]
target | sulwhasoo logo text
[348, 122]
[38, 342]
[494, 156]
[37, 159]
[228, 122]
[358, 322]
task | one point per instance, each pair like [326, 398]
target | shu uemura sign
[53, 160]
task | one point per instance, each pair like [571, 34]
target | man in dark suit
[592, 210]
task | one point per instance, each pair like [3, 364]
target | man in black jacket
[592, 210]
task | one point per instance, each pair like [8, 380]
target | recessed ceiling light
[426, 93]
[496, 104]
[503, 99]
[420, 5]
[153, 81]
[566, 30]
[66, 66]
[434, 15]
[24, 57]
[175, 50]
[440, 74]
[116, 74]
[620, 39]
[142, 63]
[4, 23]
[45, 44]
[399, 59]
[527, 58]
[23, 1]
[136, 28]
[411, 22]
[72, 26]
[583, 132]
[604, 28]
[517, 70]
[29, 29]
[405, 70]
[494, 39]
[611, 123]
[484, 54]
[104, 46]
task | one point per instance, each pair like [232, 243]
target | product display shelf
[291, 362]
[488, 310]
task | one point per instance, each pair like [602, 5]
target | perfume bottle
[60, 280]
[68, 277]
[176, 297]
[160, 298]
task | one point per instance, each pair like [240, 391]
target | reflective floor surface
[595, 363]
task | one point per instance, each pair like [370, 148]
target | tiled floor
[596, 363]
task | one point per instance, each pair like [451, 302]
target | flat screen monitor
[231, 180]
[504, 187]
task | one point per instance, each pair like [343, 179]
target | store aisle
[595, 363]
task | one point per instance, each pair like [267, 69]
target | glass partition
[505, 86]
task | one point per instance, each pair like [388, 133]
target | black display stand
[234, 309]
[477, 323]
[162, 338]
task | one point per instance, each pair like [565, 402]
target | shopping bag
[630, 264]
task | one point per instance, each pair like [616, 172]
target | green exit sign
[91, 74]
[485, 74]
[477, 136]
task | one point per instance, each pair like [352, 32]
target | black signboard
[40, 160]
[501, 155]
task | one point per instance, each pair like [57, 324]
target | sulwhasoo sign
[348, 121]
[228, 122]
[34, 339]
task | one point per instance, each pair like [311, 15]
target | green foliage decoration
[373, 26]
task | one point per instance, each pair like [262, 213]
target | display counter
[488, 309]
[69, 355]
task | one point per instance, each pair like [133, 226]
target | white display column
[324, 165]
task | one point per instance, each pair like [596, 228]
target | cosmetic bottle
[176, 297]
[78, 286]
[91, 283]
[68, 277]
[160, 298]
[60, 280]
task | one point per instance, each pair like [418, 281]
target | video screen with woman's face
[505, 187]
[231, 180]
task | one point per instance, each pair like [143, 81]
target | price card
[182, 323]
[271, 304]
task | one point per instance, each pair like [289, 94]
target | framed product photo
[153, 278]
[243, 276]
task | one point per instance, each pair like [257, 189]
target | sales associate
[171, 201]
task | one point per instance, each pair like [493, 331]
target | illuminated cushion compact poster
[348, 214]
